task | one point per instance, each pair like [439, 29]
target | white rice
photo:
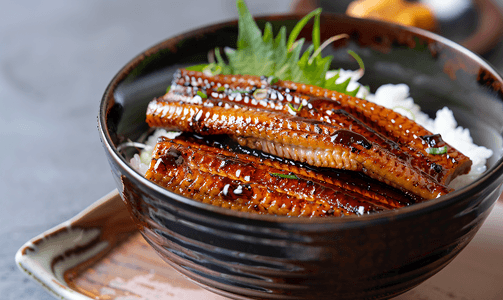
[141, 162]
[391, 96]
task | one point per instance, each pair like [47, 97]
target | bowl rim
[486, 179]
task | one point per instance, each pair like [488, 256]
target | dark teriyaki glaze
[348, 179]
[383, 126]
[229, 179]
[310, 132]
[433, 140]
[396, 127]
[349, 138]
[291, 137]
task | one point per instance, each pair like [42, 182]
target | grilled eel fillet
[305, 140]
[229, 180]
[381, 194]
[392, 131]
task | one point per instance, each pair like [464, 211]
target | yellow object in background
[397, 11]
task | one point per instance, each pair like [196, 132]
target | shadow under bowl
[375, 256]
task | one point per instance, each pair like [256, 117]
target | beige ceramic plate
[98, 254]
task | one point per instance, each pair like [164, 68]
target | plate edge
[44, 277]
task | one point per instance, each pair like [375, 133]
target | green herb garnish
[272, 80]
[295, 109]
[326, 43]
[260, 94]
[407, 110]
[221, 89]
[358, 59]
[288, 176]
[368, 92]
[440, 150]
[202, 94]
[197, 68]
[212, 69]
[240, 91]
[168, 89]
[280, 57]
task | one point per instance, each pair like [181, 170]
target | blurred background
[56, 58]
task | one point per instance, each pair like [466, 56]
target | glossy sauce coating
[295, 138]
[397, 127]
[392, 131]
[380, 193]
[300, 125]
[228, 181]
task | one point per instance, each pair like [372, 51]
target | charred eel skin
[321, 104]
[381, 194]
[306, 140]
[228, 181]
[339, 117]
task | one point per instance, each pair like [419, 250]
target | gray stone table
[56, 58]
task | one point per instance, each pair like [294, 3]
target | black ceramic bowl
[375, 256]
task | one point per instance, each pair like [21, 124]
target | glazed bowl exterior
[377, 256]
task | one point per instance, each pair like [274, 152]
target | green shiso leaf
[212, 69]
[298, 27]
[262, 54]
[198, 68]
[221, 63]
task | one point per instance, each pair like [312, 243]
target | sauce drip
[349, 138]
